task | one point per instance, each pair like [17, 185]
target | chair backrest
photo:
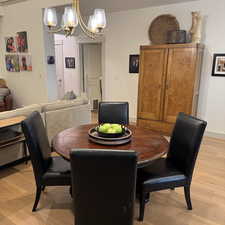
[113, 112]
[103, 184]
[185, 143]
[38, 145]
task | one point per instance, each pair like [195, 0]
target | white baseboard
[207, 133]
[215, 135]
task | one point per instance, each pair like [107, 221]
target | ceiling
[8, 2]
[121, 5]
[87, 6]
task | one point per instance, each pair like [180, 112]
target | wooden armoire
[168, 84]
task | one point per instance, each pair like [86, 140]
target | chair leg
[147, 197]
[43, 188]
[188, 196]
[38, 195]
[71, 192]
[144, 198]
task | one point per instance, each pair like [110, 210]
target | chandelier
[72, 18]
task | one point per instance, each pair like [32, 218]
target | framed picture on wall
[10, 44]
[70, 62]
[12, 63]
[51, 60]
[134, 64]
[25, 62]
[218, 68]
[22, 43]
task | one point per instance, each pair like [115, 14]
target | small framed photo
[25, 62]
[134, 64]
[218, 65]
[22, 43]
[12, 63]
[10, 44]
[51, 60]
[70, 62]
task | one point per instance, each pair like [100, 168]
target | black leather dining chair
[48, 170]
[113, 112]
[177, 169]
[103, 183]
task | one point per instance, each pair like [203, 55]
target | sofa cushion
[70, 95]
[62, 104]
[25, 111]
[84, 96]
[59, 120]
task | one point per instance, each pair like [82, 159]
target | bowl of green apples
[110, 130]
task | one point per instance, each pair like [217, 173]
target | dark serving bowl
[108, 135]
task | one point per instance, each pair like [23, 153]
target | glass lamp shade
[92, 24]
[100, 18]
[70, 18]
[65, 28]
[50, 17]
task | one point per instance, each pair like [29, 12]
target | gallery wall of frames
[17, 58]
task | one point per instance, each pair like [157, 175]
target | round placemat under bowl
[160, 26]
[125, 138]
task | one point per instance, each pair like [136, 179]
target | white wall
[126, 31]
[1, 11]
[71, 76]
[27, 87]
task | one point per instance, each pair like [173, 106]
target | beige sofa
[57, 116]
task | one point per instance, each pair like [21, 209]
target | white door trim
[60, 43]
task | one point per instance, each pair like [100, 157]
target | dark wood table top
[148, 144]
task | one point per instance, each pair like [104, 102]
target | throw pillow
[72, 95]
[66, 96]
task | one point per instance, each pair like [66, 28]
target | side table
[9, 137]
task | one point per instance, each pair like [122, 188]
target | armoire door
[151, 83]
[179, 82]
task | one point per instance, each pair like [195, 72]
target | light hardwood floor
[17, 192]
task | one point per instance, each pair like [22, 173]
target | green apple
[118, 129]
[106, 125]
[111, 131]
[102, 129]
[114, 125]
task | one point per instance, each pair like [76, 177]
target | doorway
[91, 72]
[67, 65]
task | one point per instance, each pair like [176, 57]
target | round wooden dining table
[148, 144]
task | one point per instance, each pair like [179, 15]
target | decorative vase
[196, 28]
